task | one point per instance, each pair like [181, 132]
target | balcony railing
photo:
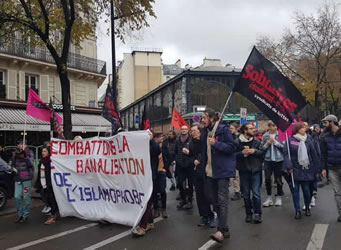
[16, 47]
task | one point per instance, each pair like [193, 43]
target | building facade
[139, 73]
[23, 67]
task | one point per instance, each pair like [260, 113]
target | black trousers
[203, 203]
[186, 174]
[276, 168]
[159, 190]
[51, 200]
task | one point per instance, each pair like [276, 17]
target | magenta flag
[281, 134]
[37, 108]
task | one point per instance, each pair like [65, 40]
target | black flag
[274, 94]
[145, 122]
[109, 111]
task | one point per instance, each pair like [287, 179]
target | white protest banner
[103, 178]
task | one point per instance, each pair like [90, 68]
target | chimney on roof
[211, 62]
[178, 63]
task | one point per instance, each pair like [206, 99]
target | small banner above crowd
[103, 178]
[274, 94]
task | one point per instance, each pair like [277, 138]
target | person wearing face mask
[219, 158]
[301, 160]
[249, 163]
[331, 157]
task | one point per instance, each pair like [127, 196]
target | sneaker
[23, 219]
[248, 218]
[18, 219]
[51, 220]
[257, 219]
[164, 214]
[307, 212]
[139, 231]
[268, 203]
[203, 222]
[48, 210]
[180, 205]
[218, 237]
[236, 196]
[313, 203]
[172, 188]
[44, 209]
[278, 202]
[304, 208]
[212, 222]
[149, 227]
[226, 234]
[315, 194]
[188, 205]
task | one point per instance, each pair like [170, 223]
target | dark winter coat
[22, 162]
[252, 163]
[195, 147]
[155, 151]
[47, 164]
[168, 151]
[331, 150]
[182, 160]
[301, 174]
[223, 153]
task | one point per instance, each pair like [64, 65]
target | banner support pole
[25, 130]
[222, 112]
[292, 175]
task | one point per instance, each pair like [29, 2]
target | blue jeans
[251, 182]
[306, 194]
[23, 189]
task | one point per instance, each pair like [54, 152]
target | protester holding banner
[234, 128]
[273, 149]
[46, 184]
[219, 159]
[22, 164]
[147, 221]
[301, 160]
[249, 163]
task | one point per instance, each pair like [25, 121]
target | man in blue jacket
[219, 159]
[330, 156]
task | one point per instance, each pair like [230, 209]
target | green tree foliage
[58, 23]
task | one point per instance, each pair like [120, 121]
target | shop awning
[12, 119]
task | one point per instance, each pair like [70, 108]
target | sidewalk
[10, 206]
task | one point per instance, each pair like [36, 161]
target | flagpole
[222, 112]
[292, 175]
[99, 129]
[24, 131]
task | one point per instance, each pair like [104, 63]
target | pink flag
[281, 134]
[37, 108]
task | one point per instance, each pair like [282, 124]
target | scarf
[183, 138]
[303, 158]
[208, 168]
[46, 160]
[242, 138]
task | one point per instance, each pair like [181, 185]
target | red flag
[177, 120]
[37, 108]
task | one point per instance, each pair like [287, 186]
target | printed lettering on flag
[105, 178]
[274, 94]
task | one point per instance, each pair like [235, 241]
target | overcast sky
[223, 29]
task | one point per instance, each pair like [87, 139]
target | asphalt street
[279, 230]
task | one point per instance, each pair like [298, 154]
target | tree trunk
[66, 101]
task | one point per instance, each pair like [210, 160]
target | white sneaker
[268, 203]
[278, 202]
[312, 203]
[47, 210]
[304, 207]
[44, 209]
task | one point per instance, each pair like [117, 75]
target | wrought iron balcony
[17, 47]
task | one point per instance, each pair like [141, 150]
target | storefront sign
[59, 107]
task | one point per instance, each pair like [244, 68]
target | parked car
[6, 183]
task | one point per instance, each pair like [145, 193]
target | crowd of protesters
[203, 160]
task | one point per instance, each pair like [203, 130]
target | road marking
[317, 238]
[32, 243]
[114, 238]
[207, 245]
